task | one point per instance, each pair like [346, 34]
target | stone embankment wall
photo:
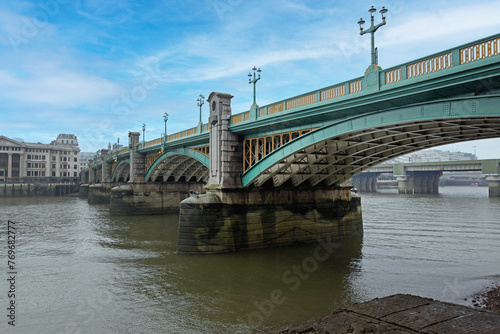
[37, 189]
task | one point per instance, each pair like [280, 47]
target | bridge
[278, 174]
[423, 177]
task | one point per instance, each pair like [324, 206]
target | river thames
[78, 270]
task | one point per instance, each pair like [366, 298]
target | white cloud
[452, 23]
[56, 86]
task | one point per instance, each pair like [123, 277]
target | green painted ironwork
[120, 163]
[488, 107]
[360, 104]
[203, 159]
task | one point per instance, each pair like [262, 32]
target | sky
[99, 69]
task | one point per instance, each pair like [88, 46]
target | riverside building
[23, 162]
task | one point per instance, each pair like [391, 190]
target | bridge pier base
[99, 193]
[83, 192]
[150, 198]
[419, 182]
[238, 219]
[493, 185]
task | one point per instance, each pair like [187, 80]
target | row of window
[54, 158]
[10, 148]
[35, 165]
[42, 173]
[42, 165]
[35, 150]
[65, 159]
[64, 166]
[35, 173]
[35, 157]
[40, 150]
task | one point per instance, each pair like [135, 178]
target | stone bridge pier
[137, 197]
[425, 182]
[100, 192]
[230, 218]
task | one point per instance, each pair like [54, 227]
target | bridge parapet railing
[125, 150]
[485, 48]
[323, 94]
[481, 50]
[175, 136]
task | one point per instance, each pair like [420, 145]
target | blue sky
[100, 68]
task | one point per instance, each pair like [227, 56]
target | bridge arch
[334, 153]
[180, 163]
[121, 171]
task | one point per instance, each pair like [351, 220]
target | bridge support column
[137, 160]
[493, 185]
[405, 184]
[419, 182]
[91, 173]
[231, 218]
[106, 167]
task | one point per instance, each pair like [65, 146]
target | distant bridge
[423, 177]
[306, 147]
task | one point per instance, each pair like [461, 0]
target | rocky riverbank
[406, 314]
[488, 300]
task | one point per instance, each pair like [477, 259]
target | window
[53, 173]
[75, 167]
[76, 159]
[53, 166]
[74, 174]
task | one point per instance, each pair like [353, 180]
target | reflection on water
[84, 271]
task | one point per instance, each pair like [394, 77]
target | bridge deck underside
[177, 167]
[337, 159]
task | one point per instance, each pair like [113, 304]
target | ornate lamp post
[254, 81]
[165, 119]
[200, 101]
[143, 134]
[372, 30]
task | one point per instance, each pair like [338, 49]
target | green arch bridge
[297, 155]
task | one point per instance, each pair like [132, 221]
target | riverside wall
[37, 189]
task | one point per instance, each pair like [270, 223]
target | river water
[78, 270]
